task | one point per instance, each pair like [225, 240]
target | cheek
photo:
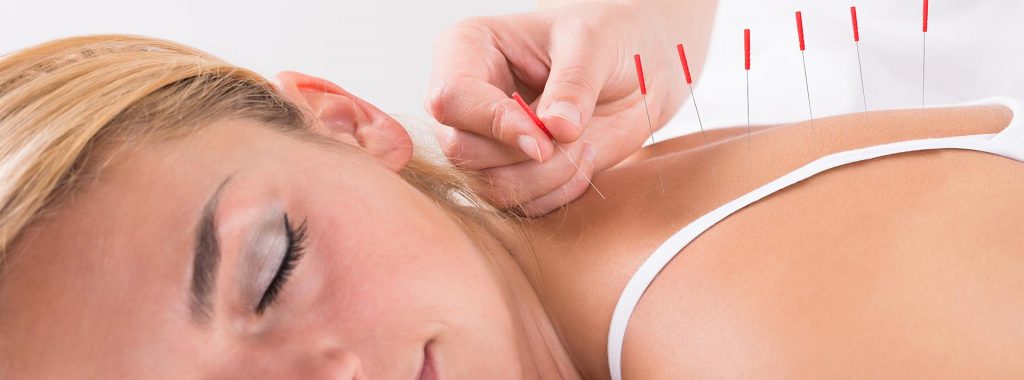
[393, 252]
[390, 270]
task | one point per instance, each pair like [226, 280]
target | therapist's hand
[575, 65]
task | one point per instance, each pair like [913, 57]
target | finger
[470, 151]
[568, 192]
[517, 184]
[482, 109]
[577, 76]
[466, 92]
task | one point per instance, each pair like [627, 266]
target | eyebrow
[205, 260]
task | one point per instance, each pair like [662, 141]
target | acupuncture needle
[924, 47]
[689, 84]
[860, 66]
[540, 124]
[803, 58]
[746, 65]
[650, 125]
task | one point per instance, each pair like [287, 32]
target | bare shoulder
[652, 196]
[753, 285]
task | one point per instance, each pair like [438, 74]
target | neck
[541, 349]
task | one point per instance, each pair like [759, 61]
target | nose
[341, 365]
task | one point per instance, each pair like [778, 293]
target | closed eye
[296, 247]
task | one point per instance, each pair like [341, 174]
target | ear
[347, 118]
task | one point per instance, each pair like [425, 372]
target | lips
[429, 369]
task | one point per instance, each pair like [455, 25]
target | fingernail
[529, 146]
[564, 110]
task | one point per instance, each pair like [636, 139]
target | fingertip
[529, 137]
[471, 151]
[436, 100]
[547, 148]
[530, 147]
[572, 190]
[565, 194]
[539, 148]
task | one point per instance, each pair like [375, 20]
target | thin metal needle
[689, 84]
[749, 155]
[924, 54]
[700, 123]
[536, 121]
[807, 85]
[860, 66]
[807, 82]
[643, 94]
[654, 150]
[746, 67]
[697, 110]
[863, 90]
[924, 47]
[580, 170]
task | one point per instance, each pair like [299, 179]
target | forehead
[116, 256]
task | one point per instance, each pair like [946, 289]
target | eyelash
[296, 248]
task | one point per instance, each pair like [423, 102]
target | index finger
[465, 95]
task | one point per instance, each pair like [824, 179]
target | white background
[381, 50]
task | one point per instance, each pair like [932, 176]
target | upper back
[852, 261]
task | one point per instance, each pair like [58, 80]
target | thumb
[572, 89]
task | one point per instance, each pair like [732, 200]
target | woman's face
[161, 267]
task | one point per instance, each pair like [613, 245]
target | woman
[165, 214]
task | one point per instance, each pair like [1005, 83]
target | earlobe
[347, 118]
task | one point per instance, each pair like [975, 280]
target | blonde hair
[61, 101]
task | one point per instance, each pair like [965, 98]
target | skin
[781, 289]
[905, 266]
[101, 284]
[573, 61]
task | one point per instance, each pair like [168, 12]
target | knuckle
[575, 188]
[455, 155]
[447, 141]
[440, 96]
[456, 147]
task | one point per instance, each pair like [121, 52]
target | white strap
[1014, 131]
[643, 277]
